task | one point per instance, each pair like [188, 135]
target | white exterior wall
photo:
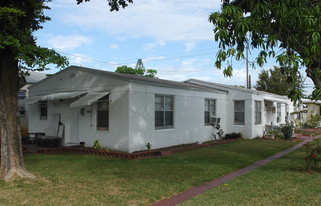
[116, 137]
[82, 128]
[245, 129]
[249, 129]
[189, 124]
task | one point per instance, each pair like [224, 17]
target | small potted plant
[287, 131]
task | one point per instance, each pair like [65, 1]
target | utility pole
[247, 66]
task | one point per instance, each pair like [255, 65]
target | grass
[281, 182]
[89, 180]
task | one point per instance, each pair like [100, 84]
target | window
[239, 112]
[103, 113]
[209, 110]
[278, 119]
[258, 112]
[21, 94]
[43, 109]
[312, 109]
[164, 112]
[22, 111]
[286, 113]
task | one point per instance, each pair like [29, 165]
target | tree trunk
[11, 147]
[312, 72]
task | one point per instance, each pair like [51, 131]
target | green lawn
[89, 180]
[281, 182]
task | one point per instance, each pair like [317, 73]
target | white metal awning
[55, 96]
[299, 111]
[88, 99]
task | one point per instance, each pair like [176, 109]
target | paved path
[217, 182]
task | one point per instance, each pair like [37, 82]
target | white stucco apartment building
[124, 112]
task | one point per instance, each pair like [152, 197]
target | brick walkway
[179, 198]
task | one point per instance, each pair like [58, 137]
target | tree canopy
[113, 4]
[19, 51]
[18, 21]
[288, 30]
[274, 81]
[139, 70]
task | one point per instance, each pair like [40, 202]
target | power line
[171, 56]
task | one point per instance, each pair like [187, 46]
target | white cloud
[151, 46]
[79, 59]
[188, 62]
[162, 20]
[67, 43]
[189, 46]
[114, 46]
[154, 58]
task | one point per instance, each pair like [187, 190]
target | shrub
[277, 134]
[97, 145]
[313, 155]
[313, 120]
[286, 129]
[233, 135]
[148, 146]
[298, 124]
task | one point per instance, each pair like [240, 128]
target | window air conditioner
[215, 120]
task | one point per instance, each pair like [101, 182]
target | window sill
[240, 124]
[164, 128]
[102, 129]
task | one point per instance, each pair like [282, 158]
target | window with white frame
[164, 111]
[209, 110]
[278, 112]
[258, 112]
[43, 107]
[103, 113]
[239, 112]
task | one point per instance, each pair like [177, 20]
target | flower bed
[87, 151]
[123, 155]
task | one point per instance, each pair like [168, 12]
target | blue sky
[173, 37]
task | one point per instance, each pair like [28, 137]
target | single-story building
[30, 79]
[125, 112]
[250, 110]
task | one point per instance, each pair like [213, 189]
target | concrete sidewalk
[179, 198]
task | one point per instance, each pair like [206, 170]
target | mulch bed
[131, 156]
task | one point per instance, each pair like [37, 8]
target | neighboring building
[250, 110]
[124, 112]
[307, 108]
[33, 78]
[313, 107]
